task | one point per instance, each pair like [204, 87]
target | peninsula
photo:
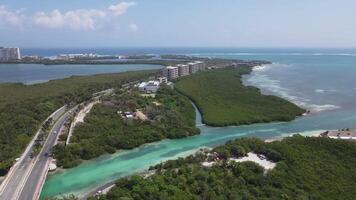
[223, 100]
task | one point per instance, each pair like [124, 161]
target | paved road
[37, 176]
[17, 177]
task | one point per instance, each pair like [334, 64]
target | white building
[183, 70]
[201, 65]
[162, 80]
[9, 54]
[196, 66]
[149, 87]
[170, 72]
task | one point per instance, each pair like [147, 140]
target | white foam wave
[268, 85]
[271, 54]
[260, 68]
[263, 68]
[324, 91]
[320, 108]
[319, 91]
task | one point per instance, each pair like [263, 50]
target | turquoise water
[322, 83]
[37, 73]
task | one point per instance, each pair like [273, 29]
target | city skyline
[202, 23]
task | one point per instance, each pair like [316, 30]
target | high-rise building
[170, 72]
[9, 53]
[183, 70]
[201, 65]
[196, 66]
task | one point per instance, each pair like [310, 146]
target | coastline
[147, 172]
[282, 137]
[242, 122]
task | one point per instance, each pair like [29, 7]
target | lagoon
[38, 73]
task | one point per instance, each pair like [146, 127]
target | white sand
[140, 115]
[79, 118]
[208, 164]
[81, 115]
[266, 164]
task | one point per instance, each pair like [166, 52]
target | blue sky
[183, 23]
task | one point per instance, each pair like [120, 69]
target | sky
[178, 23]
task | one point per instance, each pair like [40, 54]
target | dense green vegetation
[223, 100]
[170, 115]
[307, 168]
[24, 107]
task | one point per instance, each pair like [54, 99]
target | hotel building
[183, 70]
[9, 54]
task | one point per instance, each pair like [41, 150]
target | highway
[27, 176]
[20, 178]
[33, 185]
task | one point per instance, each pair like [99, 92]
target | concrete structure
[196, 66]
[25, 179]
[149, 87]
[340, 134]
[170, 72]
[9, 53]
[201, 65]
[164, 72]
[183, 70]
[162, 80]
[193, 68]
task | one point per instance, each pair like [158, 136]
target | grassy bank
[24, 107]
[223, 100]
[307, 168]
[167, 115]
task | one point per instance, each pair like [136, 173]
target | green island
[306, 168]
[166, 114]
[223, 100]
[23, 108]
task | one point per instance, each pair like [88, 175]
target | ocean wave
[271, 54]
[319, 91]
[323, 91]
[263, 68]
[320, 108]
[268, 85]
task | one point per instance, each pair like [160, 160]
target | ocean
[320, 80]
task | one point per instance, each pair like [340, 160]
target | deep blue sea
[321, 80]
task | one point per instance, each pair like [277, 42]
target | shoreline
[146, 173]
[92, 191]
[236, 123]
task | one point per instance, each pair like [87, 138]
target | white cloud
[121, 8]
[82, 19]
[133, 27]
[76, 19]
[13, 18]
